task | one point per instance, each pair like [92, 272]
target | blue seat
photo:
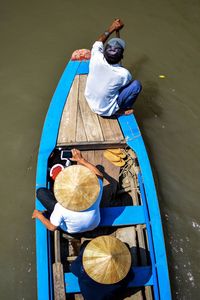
[122, 216]
[142, 277]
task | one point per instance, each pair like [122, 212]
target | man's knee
[41, 193]
[136, 86]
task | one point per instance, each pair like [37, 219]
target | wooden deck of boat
[79, 125]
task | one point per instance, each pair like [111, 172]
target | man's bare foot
[122, 112]
[129, 111]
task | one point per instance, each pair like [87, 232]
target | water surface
[37, 39]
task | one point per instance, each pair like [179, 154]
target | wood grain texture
[90, 120]
[58, 273]
[67, 131]
[80, 130]
[111, 129]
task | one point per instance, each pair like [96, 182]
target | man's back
[104, 82]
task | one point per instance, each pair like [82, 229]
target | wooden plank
[122, 215]
[142, 277]
[148, 289]
[90, 156]
[67, 130]
[58, 274]
[80, 130]
[111, 129]
[90, 119]
[93, 145]
[59, 291]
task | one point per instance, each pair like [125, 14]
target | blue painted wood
[52, 121]
[83, 67]
[150, 239]
[47, 144]
[142, 277]
[43, 287]
[122, 215]
[134, 140]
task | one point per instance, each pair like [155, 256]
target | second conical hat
[76, 188]
[106, 260]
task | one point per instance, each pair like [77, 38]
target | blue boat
[134, 210]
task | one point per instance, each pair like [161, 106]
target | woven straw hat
[106, 259]
[76, 188]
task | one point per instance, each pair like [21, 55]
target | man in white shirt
[69, 216]
[110, 88]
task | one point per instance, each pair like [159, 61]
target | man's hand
[116, 25]
[39, 215]
[36, 214]
[76, 155]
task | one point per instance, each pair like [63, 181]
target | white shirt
[77, 221]
[103, 82]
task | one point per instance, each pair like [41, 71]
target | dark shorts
[47, 198]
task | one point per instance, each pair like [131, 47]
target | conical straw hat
[76, 188]
[106, 259]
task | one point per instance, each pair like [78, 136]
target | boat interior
[82, 129]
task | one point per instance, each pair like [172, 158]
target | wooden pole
[58, 274]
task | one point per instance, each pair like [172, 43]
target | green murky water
[37, 39]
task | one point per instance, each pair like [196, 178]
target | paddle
[58, 274]
[117, 34]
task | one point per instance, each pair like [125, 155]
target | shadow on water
[137, 67]
[147, 106]
[148, 101]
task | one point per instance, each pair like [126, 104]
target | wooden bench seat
[122, 216]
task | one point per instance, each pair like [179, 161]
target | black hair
[113, 57]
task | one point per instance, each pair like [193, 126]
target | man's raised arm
[115, 26]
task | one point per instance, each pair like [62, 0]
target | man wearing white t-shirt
[76, 211]
[110, 88]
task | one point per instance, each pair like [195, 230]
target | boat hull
[159, 278]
